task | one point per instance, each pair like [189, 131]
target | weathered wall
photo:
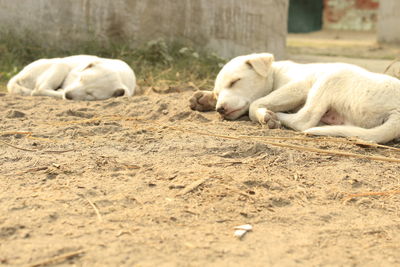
[228, 27]
[389, 21]
[351, 14]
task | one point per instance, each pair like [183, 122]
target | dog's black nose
[221, 110]
[68, 96]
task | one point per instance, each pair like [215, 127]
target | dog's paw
[203, 101]
[271, 120]
[268, 118]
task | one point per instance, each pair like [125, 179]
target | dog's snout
[68, 96]
[221, 110]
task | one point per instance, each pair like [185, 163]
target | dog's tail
[383, 133]
[14, 87]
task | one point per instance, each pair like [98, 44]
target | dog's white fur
[366, 104]
[80, 77]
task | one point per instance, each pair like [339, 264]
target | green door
[305, 15]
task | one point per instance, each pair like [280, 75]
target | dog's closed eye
[232, 83]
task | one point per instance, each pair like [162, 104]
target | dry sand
[145, 181]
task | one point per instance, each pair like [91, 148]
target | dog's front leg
[203, 101]
[286, 98]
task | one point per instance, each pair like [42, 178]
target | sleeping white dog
[334, 99]
[80, 77]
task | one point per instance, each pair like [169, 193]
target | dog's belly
[331, 117]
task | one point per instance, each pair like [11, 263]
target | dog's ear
[88, 66]
[261, 63]
[119, 92]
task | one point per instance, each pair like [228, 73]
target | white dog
[345, 99]
[79, 77]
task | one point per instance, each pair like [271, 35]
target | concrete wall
[389, 21]
[228, 27]
[351, 14]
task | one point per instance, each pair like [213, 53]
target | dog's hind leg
[51, 80]
[286, 98]
[307, 117]
[14, 87]
[383, 133]
[317, 104]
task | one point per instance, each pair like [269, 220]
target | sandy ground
[145, 181]
[353, 44]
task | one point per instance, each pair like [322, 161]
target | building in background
[314, 15]
[388, 29]
[305, 15]
[359, 15]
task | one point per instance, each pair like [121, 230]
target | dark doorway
[305, 15]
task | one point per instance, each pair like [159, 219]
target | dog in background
[80, 77]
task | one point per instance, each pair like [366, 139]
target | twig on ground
[226, 163]
[368, 194]
[130, 166]
[109, 117]
[41, 139]
[13, 133]
[20, 148]
[36, 150]
[192, 186]
[58, 259]
[327, 139]
[324, 139]
[257, 138]
[32, 170]
[238, 191]
[57, 151]
[95, 209]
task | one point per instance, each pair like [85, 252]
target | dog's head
[241, 81]
[94, 81]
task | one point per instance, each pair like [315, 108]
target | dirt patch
[147, 181]
[352, 44]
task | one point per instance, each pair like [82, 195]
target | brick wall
[350, 14]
